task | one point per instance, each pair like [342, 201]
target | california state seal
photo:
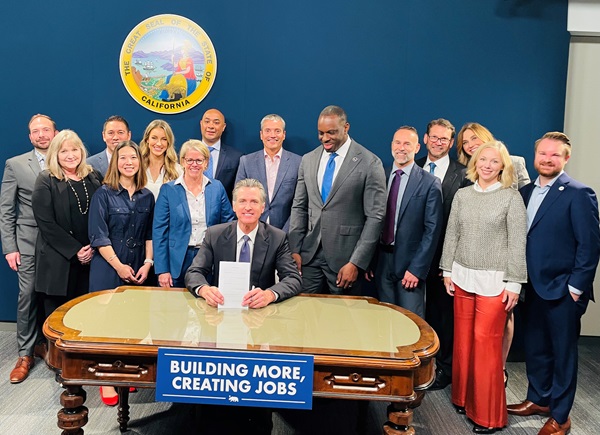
[168, 64]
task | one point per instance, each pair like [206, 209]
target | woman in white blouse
[484, 265]
[159, 156]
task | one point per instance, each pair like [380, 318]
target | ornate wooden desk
[362, 349]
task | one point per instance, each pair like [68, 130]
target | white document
[234, 283]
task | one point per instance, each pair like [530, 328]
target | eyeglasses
[190, 162]
[443, 140]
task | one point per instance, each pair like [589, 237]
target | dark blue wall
[389, 62]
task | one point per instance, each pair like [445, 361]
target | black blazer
[55, 246]
[227, 167]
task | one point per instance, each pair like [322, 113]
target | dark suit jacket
[348, 225]
[419, 224]
[271, 253]
[563, 242]
[55, 246]
[99, 162]
[278, 209]
[227, 167]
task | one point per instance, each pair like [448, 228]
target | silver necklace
[87, 197]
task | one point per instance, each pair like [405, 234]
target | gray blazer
[521, 174]
[17, 224]
[271, 254]
[349, 224]
[99, 162]
[278, 209]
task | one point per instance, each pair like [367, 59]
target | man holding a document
[246, 240]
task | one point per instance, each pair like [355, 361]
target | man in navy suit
[224, 160]
[439, 306]
[563, 248]
[115, 130]
[276, 169]
[412, 226]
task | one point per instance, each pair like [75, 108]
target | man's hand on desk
[258, 298]
[211, 295]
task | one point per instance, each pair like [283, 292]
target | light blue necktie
[209, 171]
[245, 251]
[328, 177]
[431, 168]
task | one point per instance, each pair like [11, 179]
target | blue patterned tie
[209, 171]
[432, 168]
[245, 251]
[328, 177]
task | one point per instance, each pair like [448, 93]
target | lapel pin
[355, 159]
[561, 188]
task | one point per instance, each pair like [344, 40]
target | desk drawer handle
[118, 367]
[355, 381]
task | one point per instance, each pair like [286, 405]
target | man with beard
[19, 233]
[412, 226]
[563, 248]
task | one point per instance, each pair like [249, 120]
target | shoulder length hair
[478, 130]
[112, 174]
[507, 173]
[82, 170]
[170, 156]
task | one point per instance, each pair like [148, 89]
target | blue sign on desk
[216, 377]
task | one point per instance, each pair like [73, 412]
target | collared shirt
[403, 182]
[155, 185]
[441, 166]
[215, 156]
[272, 167]
[108, 155]
[197, 206]
[41, 158]
[341, 155]
[240, 241]
[537, 196]
[482, 282]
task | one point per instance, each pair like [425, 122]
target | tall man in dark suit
[224, 160]
[338, 209]
[19, 233]
[115, 130]
[276, 169]
[266, 246]
[412, 226]
[439, 306]
[563, 248]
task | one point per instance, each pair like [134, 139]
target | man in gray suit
[19, 232]
[338, 209]
[115, 131]
[276, 169]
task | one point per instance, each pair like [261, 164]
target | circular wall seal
[168, 64]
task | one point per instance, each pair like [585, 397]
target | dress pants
[28, 323]
[390, 289]
[190, 253]
[319, 278]
[551, 333]
[439, 313]
[477, 377]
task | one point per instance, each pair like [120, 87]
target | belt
[386, 248]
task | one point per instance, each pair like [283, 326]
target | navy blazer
[173, 224]
[420, 222]
[277, 209]
[227, 167]
[563, 242]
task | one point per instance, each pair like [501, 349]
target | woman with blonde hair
[61, 202]
[185, 208]
[158, 155]
[483, 261]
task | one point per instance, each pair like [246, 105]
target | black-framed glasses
[443, 140]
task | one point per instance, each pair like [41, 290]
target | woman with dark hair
[158, 155]
[61, 202]
[120, 225]
[484, 265]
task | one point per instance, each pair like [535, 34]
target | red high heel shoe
[109, 400]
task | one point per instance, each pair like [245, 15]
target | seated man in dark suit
[246, 239]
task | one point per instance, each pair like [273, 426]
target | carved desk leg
[400, 416]
[123, 410]
[73, 416]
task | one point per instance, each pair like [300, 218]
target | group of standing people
[451, 241]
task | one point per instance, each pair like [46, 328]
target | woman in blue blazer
[184, 209]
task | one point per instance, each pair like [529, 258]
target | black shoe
[482, 429]
[442, 380]
[505, 378]
[460, 410]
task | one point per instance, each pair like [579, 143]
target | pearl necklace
[87, 197]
